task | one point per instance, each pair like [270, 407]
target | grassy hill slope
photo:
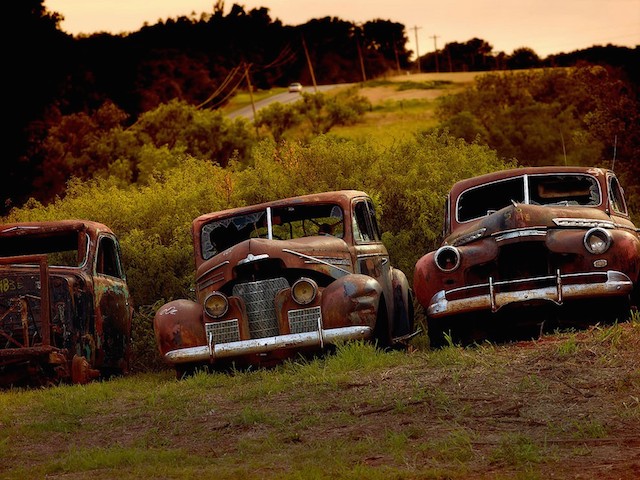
[564, 406]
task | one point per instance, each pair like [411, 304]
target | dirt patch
[377, 95]
[381, 94]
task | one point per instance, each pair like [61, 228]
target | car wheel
[435, 333]
[381, 331]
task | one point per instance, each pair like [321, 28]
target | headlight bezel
[444, 252]
[217, 310]
[603, 235]
[304, 291]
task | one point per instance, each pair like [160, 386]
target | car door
[113, 306]
[371, 256]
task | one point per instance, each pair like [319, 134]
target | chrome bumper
[556, 289]
[317, 338]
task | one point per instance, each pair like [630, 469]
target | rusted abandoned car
[282, 278]
[529, 237]
[65, 312]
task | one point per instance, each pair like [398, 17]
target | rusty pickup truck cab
[538, 244]
[65, 312]
[284, 277]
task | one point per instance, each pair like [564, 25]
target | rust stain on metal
[65, 313]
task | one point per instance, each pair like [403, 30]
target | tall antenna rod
[615, 150]
[564, 150]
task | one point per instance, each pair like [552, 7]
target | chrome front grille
[259, 302]
[304, 320]
[223, 332]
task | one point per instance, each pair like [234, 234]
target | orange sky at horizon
[546, 26]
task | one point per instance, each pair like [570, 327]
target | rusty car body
[529, 237]
[65, 311]
[285, 277]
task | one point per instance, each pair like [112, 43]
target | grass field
[564, 406]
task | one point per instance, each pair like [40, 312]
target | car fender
[178, 324]
[351, 300]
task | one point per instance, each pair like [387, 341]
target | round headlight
[304, 291]
[447, 258]
[597, 240]
[216, 305]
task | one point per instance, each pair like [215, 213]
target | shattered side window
[616, 196]
[565, 190]
[489, 198]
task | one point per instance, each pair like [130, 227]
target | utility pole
[246, 73]
[395, 51]
[435, 46]
[415, 30]
[364, 75]
[313, 77]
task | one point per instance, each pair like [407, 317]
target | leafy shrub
[408, 183]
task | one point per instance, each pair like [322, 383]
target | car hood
[324, 253]
[521, 215]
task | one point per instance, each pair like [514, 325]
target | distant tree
[85, 146]
[278, 118]
[325, 112]
[523, 58]
[473, 55]
[36, 64]
[577, 116]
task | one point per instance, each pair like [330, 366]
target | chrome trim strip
[582, 222]
[212, 269]
[314, 259]
[521, 232]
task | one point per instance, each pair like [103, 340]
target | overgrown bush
[408, 183]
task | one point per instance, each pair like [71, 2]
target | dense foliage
[127, 132]
[202, 60]
[574, 116]
[408, 182]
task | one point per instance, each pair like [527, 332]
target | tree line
[202, 60]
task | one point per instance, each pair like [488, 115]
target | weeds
[516, 450]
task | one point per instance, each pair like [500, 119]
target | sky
[546, 26]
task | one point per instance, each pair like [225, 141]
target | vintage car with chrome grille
[65, 311]
[285, 277]
[556, 238]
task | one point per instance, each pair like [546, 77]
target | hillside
[565, 406]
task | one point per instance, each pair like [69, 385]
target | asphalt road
[284, 98]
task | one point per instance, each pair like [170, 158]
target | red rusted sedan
[65, 312]
[284, 277]
[529, 237]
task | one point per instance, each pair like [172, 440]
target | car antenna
[615, 150]
[564, 150]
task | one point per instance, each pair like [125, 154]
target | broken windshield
[279, 223]
[543, 189]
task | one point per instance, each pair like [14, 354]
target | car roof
[342, 197]
[54, 226]
[465, 184]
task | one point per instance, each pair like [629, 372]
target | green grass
[357, 413]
